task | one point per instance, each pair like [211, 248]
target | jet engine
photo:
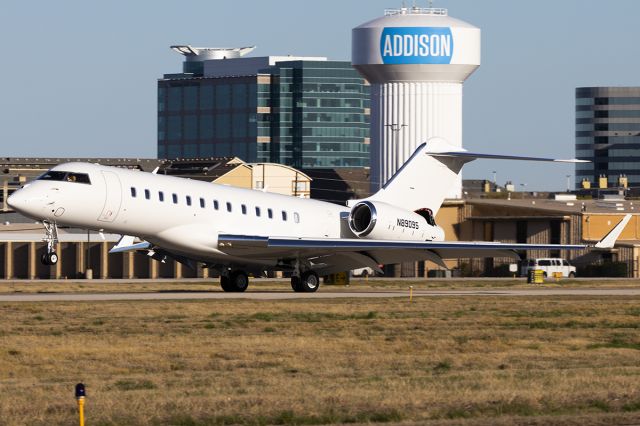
[381, 221]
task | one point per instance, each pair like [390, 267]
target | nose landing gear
[51, 238]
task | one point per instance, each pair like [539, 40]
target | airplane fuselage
[181, 215]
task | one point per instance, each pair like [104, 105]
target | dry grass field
[437, 360]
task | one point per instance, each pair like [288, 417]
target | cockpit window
[53, 175]
[66, 177]
[78, 178]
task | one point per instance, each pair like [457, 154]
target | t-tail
[426, 178]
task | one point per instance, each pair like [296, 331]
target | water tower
[416, 60]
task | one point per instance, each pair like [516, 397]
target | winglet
[610, 239]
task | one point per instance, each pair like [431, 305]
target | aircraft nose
[16, 200]
[25, 202]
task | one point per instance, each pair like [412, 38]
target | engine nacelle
[383, 221]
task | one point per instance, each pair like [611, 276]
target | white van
[549, 266]
[363, 272]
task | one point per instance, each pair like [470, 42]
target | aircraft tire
[295, 284]
[225, 284]
[309, 282]
[49, 258]
[239, 281]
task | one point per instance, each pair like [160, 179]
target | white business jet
[236, 231]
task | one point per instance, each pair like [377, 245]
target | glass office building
[608, 134]
[304, 113]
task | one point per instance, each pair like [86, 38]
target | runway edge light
[80, 395]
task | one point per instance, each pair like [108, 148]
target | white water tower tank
[416, 60]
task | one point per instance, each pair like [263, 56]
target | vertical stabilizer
[424, 180]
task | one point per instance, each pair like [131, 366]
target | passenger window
[147, 194]
[258, 211]
[188, 200]
[565, 263]
[160, 195]
[133, 192]
[175, 198]
[284, 215]
[244, 209]
[215, 204]
[270, 213]
[202, 202]
[229, 207]
[296, 218]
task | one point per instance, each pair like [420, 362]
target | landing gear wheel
[224, 283]
[295, 284]
[49, 258]
[309, 282]
[239, 281]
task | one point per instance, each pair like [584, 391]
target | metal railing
[417, 11]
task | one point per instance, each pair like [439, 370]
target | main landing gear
[51, 238]
[307, 282]
[234, 281]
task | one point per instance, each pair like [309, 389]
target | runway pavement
[287, 295]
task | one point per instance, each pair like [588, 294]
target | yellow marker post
[410, 293]
[80, 394]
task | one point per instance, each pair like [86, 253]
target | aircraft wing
[336, 254]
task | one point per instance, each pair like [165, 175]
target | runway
[287, 295]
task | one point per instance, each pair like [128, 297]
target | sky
[78, 78]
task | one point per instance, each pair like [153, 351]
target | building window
[258, 211]
[284, 215]
[270, 213]
[229, 207]
[147, 194]
[133, 192]
[175, 198]
[244, 209]
[160, 195]
[188, 200]
[299, 186]
[202, 202]
[215, 204]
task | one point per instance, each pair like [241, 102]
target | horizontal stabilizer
[470, 156]
[609, 240]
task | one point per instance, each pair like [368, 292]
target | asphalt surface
[288, 295]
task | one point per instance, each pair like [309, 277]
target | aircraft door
[113, 197]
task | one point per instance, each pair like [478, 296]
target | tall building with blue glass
[305, 112]
[608, 134]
